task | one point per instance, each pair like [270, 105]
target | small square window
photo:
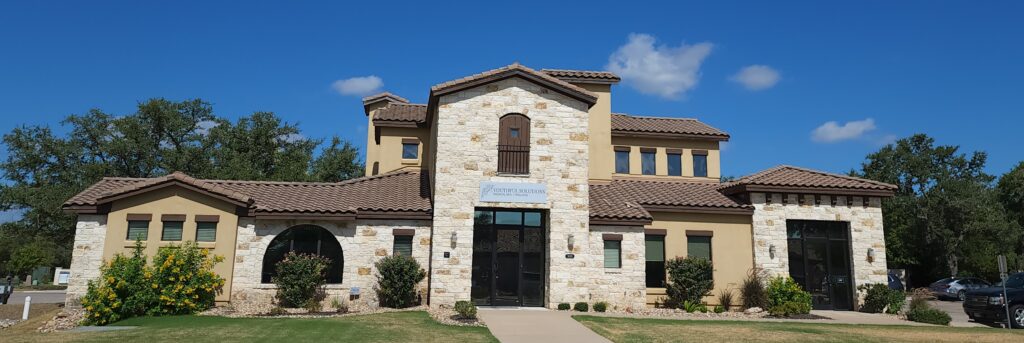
[403, 246]
[138, 229]
[514, 133]
[206, 232]
[172, 231]
[410, 151]
[612, 254]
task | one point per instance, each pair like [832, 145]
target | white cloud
[665, 71]
[757, 77]
[204, 127]
[831, 132]
[358, 86]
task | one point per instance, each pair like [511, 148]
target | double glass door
[819, 260]
[508, 258]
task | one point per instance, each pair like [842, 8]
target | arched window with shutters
[514, 144]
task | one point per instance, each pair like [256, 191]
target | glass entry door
[819, 261]
[508, 258]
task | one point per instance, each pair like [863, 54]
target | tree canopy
[43, 169]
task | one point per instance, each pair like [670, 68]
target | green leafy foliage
[752, 291]
[180, 281]
[581, 307]
[600, 306]
[397, 277]
[465, 309]
[719, 309]
[694, 307]
[563, 306]
[786, 298]
[44, 167]
[929, 315]
[689, 279]
[300, 280]
[879, 298]
[726, 298]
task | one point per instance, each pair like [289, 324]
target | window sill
[513, 175]
[410, 161]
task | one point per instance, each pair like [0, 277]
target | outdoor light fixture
[871, 254]
[771, 251]
[572, 241]
[455, 239]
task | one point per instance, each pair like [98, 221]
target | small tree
[301, 279]
[27, 257]
[689, 280]
[397, 276]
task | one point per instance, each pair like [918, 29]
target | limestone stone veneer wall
[86, 255]
[363, 243]
[623, 287]
[769, 225]
[467, 153]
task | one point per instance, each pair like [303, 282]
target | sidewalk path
[536, 325]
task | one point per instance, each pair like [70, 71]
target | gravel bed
[6, 323]
[66, 319]
[448, 316]
[678, 313]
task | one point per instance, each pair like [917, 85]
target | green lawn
[385, 327]
[667, 330]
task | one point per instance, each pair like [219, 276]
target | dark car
[985, 305]
[956, 287]
[895, 283]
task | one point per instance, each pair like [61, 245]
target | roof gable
[795, 179]
[629, 125]
[177, 179]
[513, 70]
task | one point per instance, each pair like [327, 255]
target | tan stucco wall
[661, 157]
[731, 247]
[389, 152]
[372, 154]
[174, 200]
[600, 121]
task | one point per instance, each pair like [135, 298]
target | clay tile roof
[170, 178]
[630, 200]
[609, 203]
[583, 75]
[628, 124]
[402, 191]
[386, 96]
[416, 113]
[511, 70]
[790, 177]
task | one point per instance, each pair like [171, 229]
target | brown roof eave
[633, 134]
[415, 215]
[620, 221]
[397, 123]
[737, 189]
[700, 209]
[169, 183]
[589, 99]
[301, 215]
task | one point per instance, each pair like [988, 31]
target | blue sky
[878, 69]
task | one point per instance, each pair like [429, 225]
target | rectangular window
[675, 162]
[206, 231]
[648, 161]
[698, 246]
[700, 163]
[612, 254]
[172, 231]
[410, 150]
[403, 245]
[138, 229]
[622, 160]
[655, 252]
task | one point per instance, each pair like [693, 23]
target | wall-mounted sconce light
[572, 241]
[455, 239]
[871, 254]
[771, 251]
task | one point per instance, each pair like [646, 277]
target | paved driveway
[38, 297]
[536, 325]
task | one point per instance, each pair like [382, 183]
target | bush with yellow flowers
[180, 281]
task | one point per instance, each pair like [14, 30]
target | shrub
[719, 309]
[180, 281]
[689, 279]
[879, 298]
[928, 315]
[397, 278]
[752, 292]
[465, 309]
[786, 298]
[694, 307]
[339, 305]
[301, 279]
[600, 306]
[581, 307]
[563, 306]
[725, 298]
[277, 311]
[919, 298]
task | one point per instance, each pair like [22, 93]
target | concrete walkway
[514, 325]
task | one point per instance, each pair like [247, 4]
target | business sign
[513, 192]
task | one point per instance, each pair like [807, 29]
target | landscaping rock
[66, 319]
[448, 316]
[6, 323]
[753, 310]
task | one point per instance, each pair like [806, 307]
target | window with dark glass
[403, 245]
[304, 239]
[655, 252]
[172, 231]
[206, 231]
[514, 144]
[675, 162]
[648, 164]
[700, 163]
[698, 246]
[622, 159]
[138, 229]
[612, 253]
[410, 149]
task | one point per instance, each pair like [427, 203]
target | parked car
[985, 305]
[895, 283]
[956, 288]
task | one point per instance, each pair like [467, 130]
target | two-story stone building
[511, 187]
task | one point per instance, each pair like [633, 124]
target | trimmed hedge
[581, 307]
[879, 298]
[465, 309]
[397, 277]
[929, 315]
[786, 298]
[564, 306]
[600, 306]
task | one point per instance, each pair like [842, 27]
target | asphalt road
[38, 297]
[956, 311]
